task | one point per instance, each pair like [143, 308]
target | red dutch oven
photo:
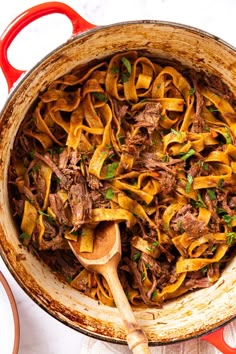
[193, 315]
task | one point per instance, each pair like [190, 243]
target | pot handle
[78, 23]
[217, 339]
[9, 293]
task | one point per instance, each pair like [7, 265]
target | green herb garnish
[206, 128]
[188, 154]
[111, 170]
[114, 70]
[149, 249]
[228, 219]
[165, 158]
[189, 183]
[136, 256]
[143, 100]
[228, 138]
[50, 218]
[204, 270]
[154, 294]
[211, 193]
[220, 211]
[69, 279]
[212, 109]
[205, 166]
[200, 203]
[231, 237]
[213, 248]
[125, 77]
[24, 236]
[143, 276]
[178, 134]
[220, 183]
[109, 194]
[127, 64]
[100, 96]
[155, 243]
[179, 225]
[191, 91]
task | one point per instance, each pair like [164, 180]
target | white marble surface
[40, 333]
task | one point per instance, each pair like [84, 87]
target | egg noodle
[140, 143]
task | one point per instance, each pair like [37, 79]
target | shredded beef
[153, 265]
[167, 182]
[197, 283]
[150, 161]
[187, 219]
[64, 182]
[80, 202]
[62, 261]
[149, 117]
[138, 280]
[58, 208]
[198, 122]
[31, 197]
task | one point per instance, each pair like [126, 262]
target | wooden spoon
[104, 260]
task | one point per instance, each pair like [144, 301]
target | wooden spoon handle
[141, 349]
[137, 342]
[136, 338]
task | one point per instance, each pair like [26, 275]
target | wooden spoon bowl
[104, 260]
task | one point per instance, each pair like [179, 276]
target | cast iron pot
[191, 315]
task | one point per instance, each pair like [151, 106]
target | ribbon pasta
[147, 145]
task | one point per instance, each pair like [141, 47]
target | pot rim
[14, 89]
[75, 37]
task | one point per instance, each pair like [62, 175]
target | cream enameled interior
[191, 314]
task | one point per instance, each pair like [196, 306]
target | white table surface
[40, 333]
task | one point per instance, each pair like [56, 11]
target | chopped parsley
[205, 166]
[228, 138]
[100, 96]
[143, 276]
[143, 100]
[204, 270]
[154, 294]
[191, 91]
[228, 219]
[178, 134]
[69, 279]
[165, 158]
[149, 249]
[189, 183]
[111, 169]
[114, 70]
[231, 237]
[179, 225]
[126, 75]
[212, 109]
[213, 248]
[221, 183]
[109, 194]
[127, 64]
[206, 128]
[155, 243]
[211, 193]
[136, 256]
[24, 236]
[50, 218]
[200, 203]
[188, 154]
[220, 211]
